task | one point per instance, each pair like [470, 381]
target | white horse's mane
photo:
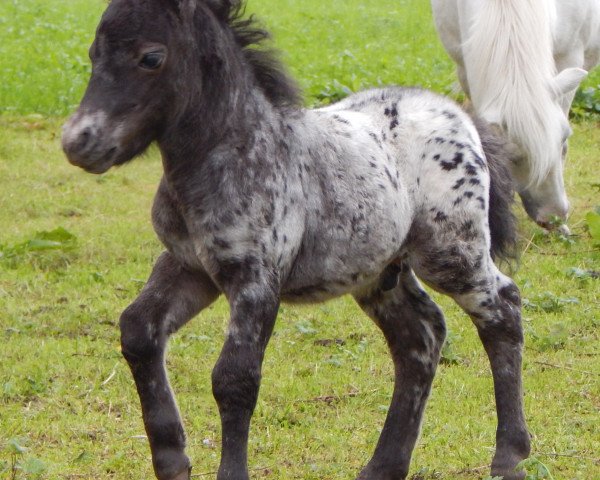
[510, 71]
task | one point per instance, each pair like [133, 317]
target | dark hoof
[507, 470]
[511, 475]
[172, 465]
[184, 475]
[370, 473]
[507, 457]
[232, 473]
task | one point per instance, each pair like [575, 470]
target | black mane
[271, 75]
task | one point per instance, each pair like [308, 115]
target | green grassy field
[68, 407]
[330, 47]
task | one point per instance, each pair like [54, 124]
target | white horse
[520, 62]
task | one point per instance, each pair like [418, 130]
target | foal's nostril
[79, 143]
[84, 138]
[74, 141]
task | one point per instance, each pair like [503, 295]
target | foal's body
[352, 210]
[264, 201]
[356, 168]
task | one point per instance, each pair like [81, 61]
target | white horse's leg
[448, 26]
[462, 78]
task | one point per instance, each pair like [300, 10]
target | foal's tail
[503, 223]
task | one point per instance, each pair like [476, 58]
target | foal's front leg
[236, 376]
[171, 297]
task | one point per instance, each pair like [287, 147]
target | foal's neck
[216, 134]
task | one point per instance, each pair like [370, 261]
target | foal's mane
[270, 74]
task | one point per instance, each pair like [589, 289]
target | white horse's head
[538, 130]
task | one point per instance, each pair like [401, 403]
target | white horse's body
[520, 62]
[576, 34]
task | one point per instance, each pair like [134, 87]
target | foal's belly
[340, 259]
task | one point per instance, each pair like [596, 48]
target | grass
[331, 47]
[68, 407]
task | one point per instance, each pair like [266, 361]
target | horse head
[539, 138]
[146, 67]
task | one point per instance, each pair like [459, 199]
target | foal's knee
[505, 322]
[140, 338]
[236, 379]
[511, 294]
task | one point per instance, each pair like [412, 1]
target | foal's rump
[451, 162]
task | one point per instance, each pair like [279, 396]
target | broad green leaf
[15, 447]
[593, 222]
[33, 466]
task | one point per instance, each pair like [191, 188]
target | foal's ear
[569, 80]
[222, 8]
[182, 6]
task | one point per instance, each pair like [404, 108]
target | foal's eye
[152, 60]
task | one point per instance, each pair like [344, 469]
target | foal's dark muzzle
[87, 144]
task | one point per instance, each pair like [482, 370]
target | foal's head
[157, 63]
[136, 67]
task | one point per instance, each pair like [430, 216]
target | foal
[263, 201]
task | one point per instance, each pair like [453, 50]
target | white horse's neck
[510, 69]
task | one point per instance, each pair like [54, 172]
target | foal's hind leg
[171, 297]
[414, 329]
[495, 308]
[465, 271]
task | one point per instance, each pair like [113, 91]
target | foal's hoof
[184, 475]
[507, 458]
[172, 465]
[507, 471]
[390, 473]
[512, 475]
